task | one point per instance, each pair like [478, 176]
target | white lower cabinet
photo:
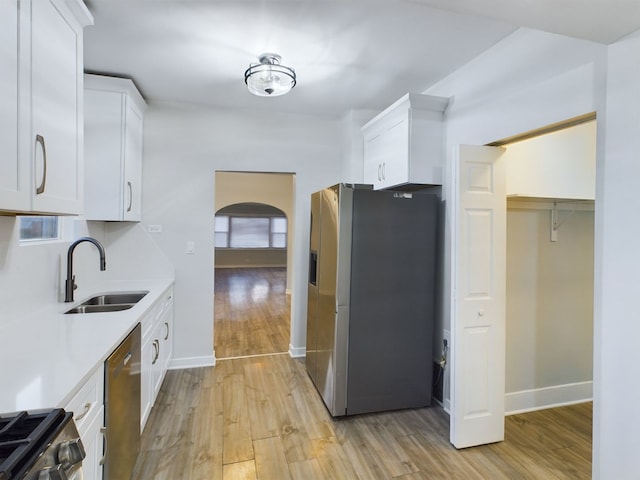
[93, 439]
[87, 401]
[87, 406]
[157, 348]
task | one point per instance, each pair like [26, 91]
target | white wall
[616, 429]
[549, 310]
[184, 146]
[32, 276]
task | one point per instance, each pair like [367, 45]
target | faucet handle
[73, 282]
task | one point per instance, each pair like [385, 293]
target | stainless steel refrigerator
[372, 265]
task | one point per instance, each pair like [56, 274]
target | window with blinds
[250, 232]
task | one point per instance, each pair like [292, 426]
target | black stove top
[24, 436]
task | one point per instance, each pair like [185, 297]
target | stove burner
[24, 436]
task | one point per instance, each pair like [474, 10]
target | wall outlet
[446, 385]
[437, 390]
[191, 247]
[154, 228]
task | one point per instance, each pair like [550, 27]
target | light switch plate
[191, 247]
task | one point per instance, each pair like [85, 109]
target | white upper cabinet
[56, 105]
[404, 144]
[42, 144]
[113, 149]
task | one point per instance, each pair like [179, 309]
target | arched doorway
[253, 242]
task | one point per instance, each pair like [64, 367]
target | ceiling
[348, 54]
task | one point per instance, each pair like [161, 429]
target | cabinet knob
[53, 473]
[71, 453]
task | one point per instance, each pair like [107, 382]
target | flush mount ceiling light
[268, 78]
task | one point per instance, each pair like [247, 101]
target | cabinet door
[386, 154]
[146, 390]
[56, 90]
[373, 159]
[166, 340]
[133, 164]
[157, 373]
[395, 147]
[103, 116]
[93, 440]
[14, 189]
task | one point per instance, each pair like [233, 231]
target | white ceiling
[348, 54]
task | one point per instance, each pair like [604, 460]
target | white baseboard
[548, 397]
[256, 265]
[192, 362]
[297, 352]
[446, 405]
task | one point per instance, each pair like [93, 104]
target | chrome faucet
[70, 284]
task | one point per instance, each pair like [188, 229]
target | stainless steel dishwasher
[122, 408]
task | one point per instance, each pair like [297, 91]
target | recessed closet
[550, 265]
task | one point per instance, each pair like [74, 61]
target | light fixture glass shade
[268, 78]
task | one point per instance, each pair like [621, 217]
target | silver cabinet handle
[40, 141]
[156, 346]
[103, 431]
[166, 324]
[130, 196]
[379, 172]
[384, 167]
[87, 408]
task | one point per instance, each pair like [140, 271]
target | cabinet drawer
[152, 317]
[149, 320]
[88, 401]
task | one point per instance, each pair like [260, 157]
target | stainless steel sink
[100, 308]
[109, 302]
[115, 298]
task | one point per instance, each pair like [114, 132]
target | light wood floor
[261, 418]
[251, 312]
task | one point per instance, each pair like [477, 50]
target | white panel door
[479, 277]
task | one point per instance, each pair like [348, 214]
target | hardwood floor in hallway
[251, 312]
[260, 418]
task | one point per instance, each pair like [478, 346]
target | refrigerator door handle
[313, 268]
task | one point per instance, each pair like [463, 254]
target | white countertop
[46, 356]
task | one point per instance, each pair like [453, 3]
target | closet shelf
[548, 203]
